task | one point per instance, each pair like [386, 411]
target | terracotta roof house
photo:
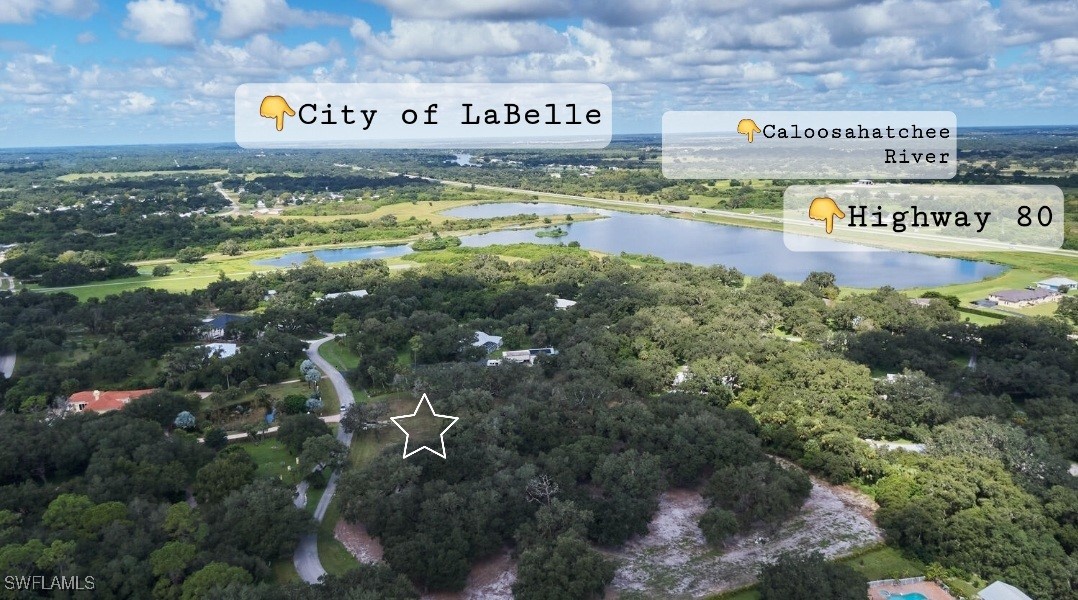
[98, 401]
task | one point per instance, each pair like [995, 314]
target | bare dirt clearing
[491, 579]
[674, 561]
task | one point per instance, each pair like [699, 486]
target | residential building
[527, 356]
[101, 402]
[488, 342]
[354, 293]
[213, 328]
[1002, 591]
[563, 304]
[1054, 284]
[1020, 298]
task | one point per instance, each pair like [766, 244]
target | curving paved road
[306, 559]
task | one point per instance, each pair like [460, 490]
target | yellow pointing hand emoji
[276, 107]
[824, 209]
[747, 127]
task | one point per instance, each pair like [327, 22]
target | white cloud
[831, 81]
[453, 40]
[86, 37]
[24, 11]
[1063, 51]
[29, 75]
[136, 103]
[242, 18]
[165, 22]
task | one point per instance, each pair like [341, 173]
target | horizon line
[233, 142]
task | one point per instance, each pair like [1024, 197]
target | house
[353, 293]
[213, 328]
[563, 304]
[1002, 591]
[1054, 284]
[221, 350]
[488, 342]
[921, 302]
[101, 402]
[1019, 298]
[527, 356]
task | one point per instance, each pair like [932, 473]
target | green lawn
[336, 559]
[884, 562]
[338, 355]
[881, 562]
[272, 458]
[284, 571]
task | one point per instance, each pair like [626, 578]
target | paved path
[306, 559]
[235, 205]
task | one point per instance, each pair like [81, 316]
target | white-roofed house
[354, 293]
[1002, 591]
[488, 342]
[1056, 284]
[563, 304]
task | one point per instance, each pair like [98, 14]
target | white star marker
[407, 436]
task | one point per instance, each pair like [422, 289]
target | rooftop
[482, 339]
[1021, 295]
[98, 401]
[222, 320]
[355, 293]
[1002, 591]
[1058, 281]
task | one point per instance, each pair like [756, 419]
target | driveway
[306, 559]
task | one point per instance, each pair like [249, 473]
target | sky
[102, 72]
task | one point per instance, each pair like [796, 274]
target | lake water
[752, 251]
[293, 259]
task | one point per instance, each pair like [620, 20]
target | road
[306, 559]
[218, 185]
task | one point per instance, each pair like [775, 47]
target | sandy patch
[355, 538]
[491, 579]
[673, 561]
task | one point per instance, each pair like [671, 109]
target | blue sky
[88, 72]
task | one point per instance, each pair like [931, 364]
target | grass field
[126, 174]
